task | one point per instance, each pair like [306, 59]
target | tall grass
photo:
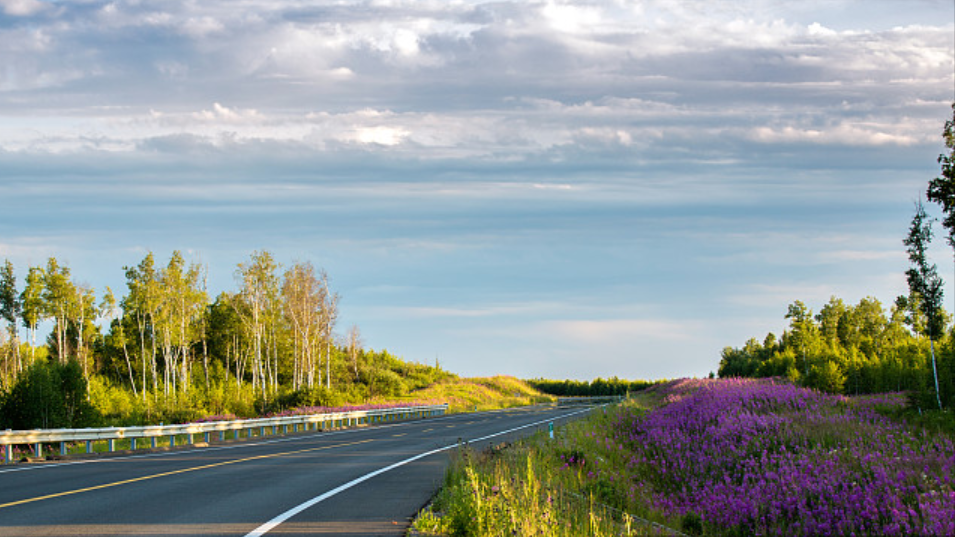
[509, 492]
[538, 486]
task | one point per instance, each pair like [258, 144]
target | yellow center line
[397, 435]
[174, 472]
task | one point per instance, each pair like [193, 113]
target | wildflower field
[715, 457]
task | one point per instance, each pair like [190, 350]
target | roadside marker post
[550, 429]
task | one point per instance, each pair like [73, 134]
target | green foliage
[827, 377]
[598, 387]
[852, 349]
[941, 190]
[48, 395]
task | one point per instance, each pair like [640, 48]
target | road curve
[354, 482]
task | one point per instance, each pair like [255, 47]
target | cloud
[22, 8]
[489, 158]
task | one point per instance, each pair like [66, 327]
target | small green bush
[48, 396]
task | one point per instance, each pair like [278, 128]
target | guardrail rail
[589, 400]
[37, 438]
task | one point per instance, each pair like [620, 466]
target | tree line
[851, 348]
[166, 350]
[862, 348]
[594, 388]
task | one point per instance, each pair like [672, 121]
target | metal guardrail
[306, 422]
[585, 400]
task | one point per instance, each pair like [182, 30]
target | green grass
[491, 393]
[539, 486]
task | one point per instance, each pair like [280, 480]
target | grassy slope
[468, 394]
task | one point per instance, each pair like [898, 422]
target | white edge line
[271, 524]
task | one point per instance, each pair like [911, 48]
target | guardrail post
[221, 436]
[8, 453]
[191, 439]
[152, 442]
[62, 448]
[89, 446]
[38, 450]
[111, 444]
[205, 436]
[132, 443]
[172, 440]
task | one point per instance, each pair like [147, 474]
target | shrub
[48, 396]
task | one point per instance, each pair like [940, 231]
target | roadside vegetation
[593, 388]
[164, 352]
[477, 394]
[712, 457]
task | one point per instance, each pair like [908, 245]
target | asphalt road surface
[353, 482]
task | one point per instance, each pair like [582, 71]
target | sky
[541, 189]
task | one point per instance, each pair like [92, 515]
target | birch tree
[354, 343]
[328, 319]
[142, 303]
[32, 307]
[82, 311]
[255, 304]
[924, 283]
[302, 303]
[108, 310]
[10, 309]
[57, 295]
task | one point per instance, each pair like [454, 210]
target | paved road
[356, 482]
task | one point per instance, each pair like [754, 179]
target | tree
[58, 296]
[302, 301]
[354, 347]
[329, 317]
[81, 313]
[827, 377]
[925, 283]
[10, 312]
[142, 303]
[256, 305]
[941, 190]
[48, 395]
[803, 331]
[32, 305]
[108, 310]
[178, 320]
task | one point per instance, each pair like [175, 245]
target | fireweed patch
[769, 458]
[727, 457]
